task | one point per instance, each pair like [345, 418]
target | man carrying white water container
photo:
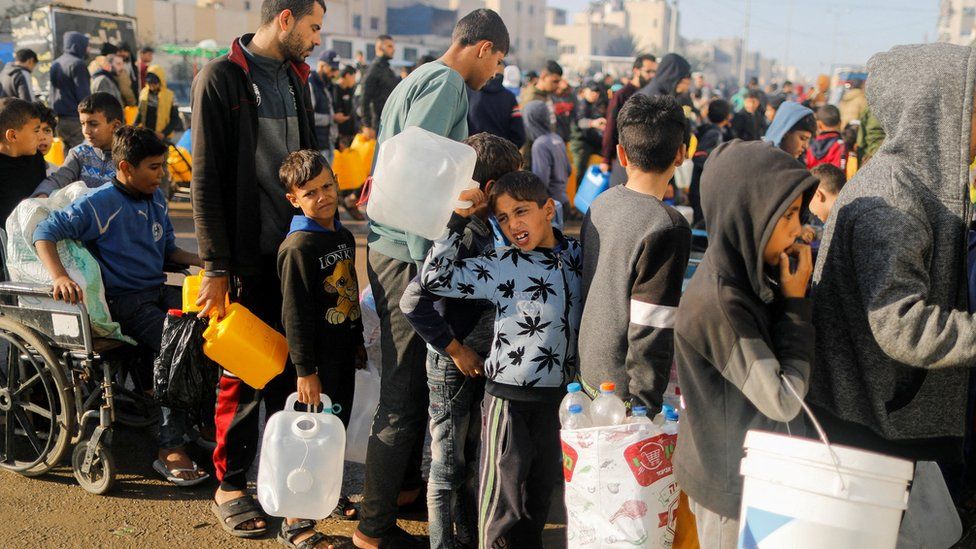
[894, 337]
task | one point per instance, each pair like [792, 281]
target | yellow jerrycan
[191, 288]
[245, 346]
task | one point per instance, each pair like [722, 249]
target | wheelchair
[62, 390]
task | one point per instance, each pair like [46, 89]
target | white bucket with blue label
[808, 494]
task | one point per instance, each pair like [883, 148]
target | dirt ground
[142, 510]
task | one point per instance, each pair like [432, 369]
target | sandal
[173, 475]
[289, 532]
[342, 510]
[239, 511]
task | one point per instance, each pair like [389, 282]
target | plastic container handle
[820, 432]
[465, 204]
[293, 399]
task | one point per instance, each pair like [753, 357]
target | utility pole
[744, 51]
[673, 35]
[789, 34]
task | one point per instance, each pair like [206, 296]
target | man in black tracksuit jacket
[378, 84]
[251, 108]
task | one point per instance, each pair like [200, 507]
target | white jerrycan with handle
[300, 473]
[417, 180]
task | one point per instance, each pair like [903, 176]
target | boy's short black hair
[497, 156]
[146, 49]
[347, 70]
[776, 101]
[522, 186]
[829, 115]
[553, 68]
[25, 55]
[104, 103]
[298, 8]
[639, 60]
[651, 130]
[482, 24]
[831, 178]
[754, 94]
[300, 167]
[850, 135]
[718, 110]
[383, 38]
[14, 114]
[133, 145]
[46, 115]
[787, 83]
[807, 123]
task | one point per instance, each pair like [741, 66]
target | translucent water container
[245, 346]
[594, 183]
[300, 472]
[417, 180]
[574, 395]
[607, 409]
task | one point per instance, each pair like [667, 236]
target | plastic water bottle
[670, 426]
[574, 395]
[638, 414]
[607, 409]
[576, 418]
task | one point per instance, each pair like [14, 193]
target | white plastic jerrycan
[417, 180]
[300, 472]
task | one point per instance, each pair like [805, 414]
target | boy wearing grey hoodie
[895, 340]
[744, 330]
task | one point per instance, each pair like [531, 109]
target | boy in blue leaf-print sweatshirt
[535, 287]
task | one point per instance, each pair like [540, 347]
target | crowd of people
[850, 295]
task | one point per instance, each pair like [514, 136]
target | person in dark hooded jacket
[15, 77]
[673, 77]
[70, 84]
[895, 339]
[495, 111]
[547, 156]
[744, 330]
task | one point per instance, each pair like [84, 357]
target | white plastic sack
[367, 395]
[620, 487]
[24, 265]
[364, 403]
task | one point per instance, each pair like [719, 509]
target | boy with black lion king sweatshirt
[635, 252]
[744, 330]
[534, 285]
[320, 302]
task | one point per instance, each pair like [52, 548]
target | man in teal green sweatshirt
[432, 97]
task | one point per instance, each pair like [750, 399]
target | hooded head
[746, 187]
[76, 44]
[535, 114]
[160, 73]
[513, 77]
[922, 96]
[671, 70]
[787, 115]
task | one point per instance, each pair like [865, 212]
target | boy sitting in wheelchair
[125, 224]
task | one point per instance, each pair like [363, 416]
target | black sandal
[341, 511]
[240, 511]
[289, 532]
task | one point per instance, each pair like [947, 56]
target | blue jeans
[455, 431]
[141, 317]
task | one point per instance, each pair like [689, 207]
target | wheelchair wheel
[101, 475]
[37, 408]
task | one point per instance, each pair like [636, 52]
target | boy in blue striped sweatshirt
[534, 285]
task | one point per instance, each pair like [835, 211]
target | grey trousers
[69, 130]
[395, 448]
[714, 530]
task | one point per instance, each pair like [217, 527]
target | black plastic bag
[183, 377]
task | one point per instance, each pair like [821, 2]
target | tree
[622, 46]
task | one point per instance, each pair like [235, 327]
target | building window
[410, 55]
[531, 9]
[343, 48]
[374, 23]
[518, 7]
[530, 45]
[357, 22]
[247, 5]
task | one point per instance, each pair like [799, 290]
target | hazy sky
[863, 27]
